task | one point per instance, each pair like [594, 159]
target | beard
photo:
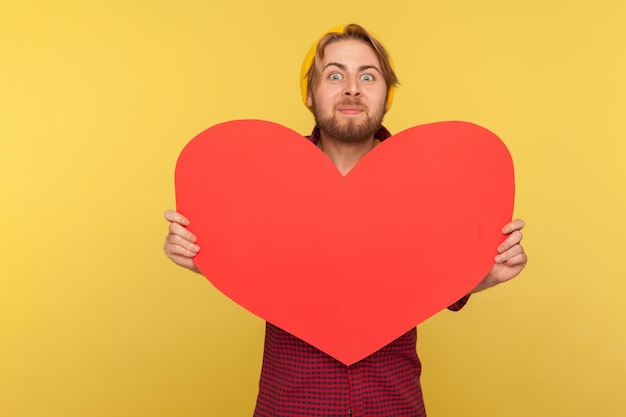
[350, 132]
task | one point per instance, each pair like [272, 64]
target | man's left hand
[511, 258]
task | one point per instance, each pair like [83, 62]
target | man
[348, 83]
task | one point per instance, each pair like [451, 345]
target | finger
[173, 216]
[517, 224]
[173, 242]
[508, 254]
[178, 230]
[174, 250]
[513, 239]
[517, 260]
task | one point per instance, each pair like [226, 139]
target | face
[349, 100]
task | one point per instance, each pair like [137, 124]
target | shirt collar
[381, 134]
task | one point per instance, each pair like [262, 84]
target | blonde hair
[312, 65]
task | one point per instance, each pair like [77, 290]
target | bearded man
[348, 82]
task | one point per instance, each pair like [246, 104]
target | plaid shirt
[298, 380]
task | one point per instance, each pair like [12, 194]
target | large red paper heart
[350, 263]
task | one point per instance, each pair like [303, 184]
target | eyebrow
[343, 67]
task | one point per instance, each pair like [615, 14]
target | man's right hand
[180, 244]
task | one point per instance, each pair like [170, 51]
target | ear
[309, 100]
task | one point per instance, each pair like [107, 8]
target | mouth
[350, 110]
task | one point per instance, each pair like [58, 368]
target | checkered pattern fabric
[298, 380]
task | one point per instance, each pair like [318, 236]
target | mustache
[351, 102]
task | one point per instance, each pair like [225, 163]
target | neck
[344, 155]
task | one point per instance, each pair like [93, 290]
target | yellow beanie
[310, 56]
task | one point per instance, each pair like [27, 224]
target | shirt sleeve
[459, 304]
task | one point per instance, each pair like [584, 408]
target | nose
[352, 87]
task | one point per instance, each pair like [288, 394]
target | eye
[335, 76]
[367, 77]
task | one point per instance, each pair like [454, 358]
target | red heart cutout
[347, 264]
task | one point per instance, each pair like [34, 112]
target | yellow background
[98, 98]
